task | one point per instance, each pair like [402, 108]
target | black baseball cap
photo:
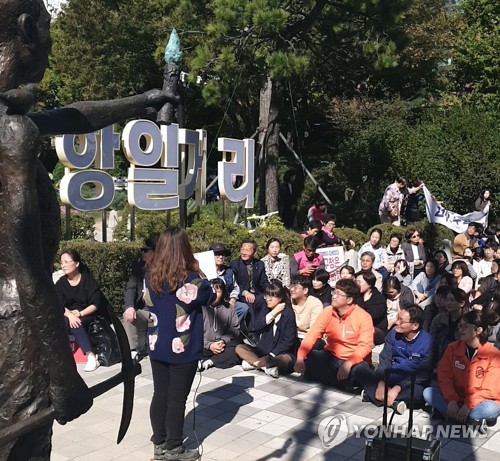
[219, 248]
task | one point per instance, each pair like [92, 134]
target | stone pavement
[245, 416]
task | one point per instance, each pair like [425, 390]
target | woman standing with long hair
[174, 294]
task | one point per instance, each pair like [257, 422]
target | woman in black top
[373, 302]
[80, 296]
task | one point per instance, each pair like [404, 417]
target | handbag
[105, 342]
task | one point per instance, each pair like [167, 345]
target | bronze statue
[37, 370]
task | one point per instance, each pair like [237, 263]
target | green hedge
[81, 226]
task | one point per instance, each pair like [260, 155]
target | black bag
[104, 340]
[399, 447]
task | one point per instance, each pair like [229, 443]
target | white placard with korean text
[334, 259]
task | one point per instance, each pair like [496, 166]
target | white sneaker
[204, 365]
[92, 363]
[134, 354]
[273, 372]
[399, 407]
[246, 366]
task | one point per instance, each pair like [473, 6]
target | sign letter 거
[240, 164]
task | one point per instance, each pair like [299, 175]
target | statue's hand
[158, 98]
[70, 400]
[19, 101]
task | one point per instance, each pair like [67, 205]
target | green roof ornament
[173, 51]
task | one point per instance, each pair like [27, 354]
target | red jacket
[349, 337]
[466, 381]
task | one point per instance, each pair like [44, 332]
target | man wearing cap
[135, 318]
[225, 272]
[465, 240]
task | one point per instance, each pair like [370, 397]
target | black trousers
[171, 383]
[225, 359]
[322, 366]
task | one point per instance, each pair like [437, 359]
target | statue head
[24, 42]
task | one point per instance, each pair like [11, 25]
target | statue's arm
[88, 116]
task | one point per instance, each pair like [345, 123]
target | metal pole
[67, 219]
[104, 226]
[132, 223]
[311, 177]
[181, 119]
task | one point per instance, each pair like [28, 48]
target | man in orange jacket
[349, 332]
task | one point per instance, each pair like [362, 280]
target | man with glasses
[407, 347]
[349, 339]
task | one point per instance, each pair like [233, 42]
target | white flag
[454, 221]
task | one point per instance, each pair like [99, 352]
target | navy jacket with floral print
[175, 330]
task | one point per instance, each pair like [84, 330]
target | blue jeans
[487, 409]
[241, 310]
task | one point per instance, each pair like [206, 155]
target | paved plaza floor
[247, 416]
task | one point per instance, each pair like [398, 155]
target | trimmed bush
[81, 226]
[207, 231]
[291, 242]
[359, 237]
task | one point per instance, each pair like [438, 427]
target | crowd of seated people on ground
[280, 314]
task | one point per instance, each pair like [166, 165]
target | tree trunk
[269, 138]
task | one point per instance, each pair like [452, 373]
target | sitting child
[221, 330]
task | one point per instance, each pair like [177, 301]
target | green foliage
[58, 173]
[454, 150]
[476, 59]
[119, 200]
[356, 235]
[291, 242]
[147, 223]
[205, 232]
[109, 263]
[81, 226]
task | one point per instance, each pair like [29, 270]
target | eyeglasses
[337, 294]
[415, 236]
[399, 322]
[295, 287]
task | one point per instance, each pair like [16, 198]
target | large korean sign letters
[167, 163]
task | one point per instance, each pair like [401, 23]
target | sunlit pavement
[244, 416]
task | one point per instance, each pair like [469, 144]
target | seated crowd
[280, 315]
